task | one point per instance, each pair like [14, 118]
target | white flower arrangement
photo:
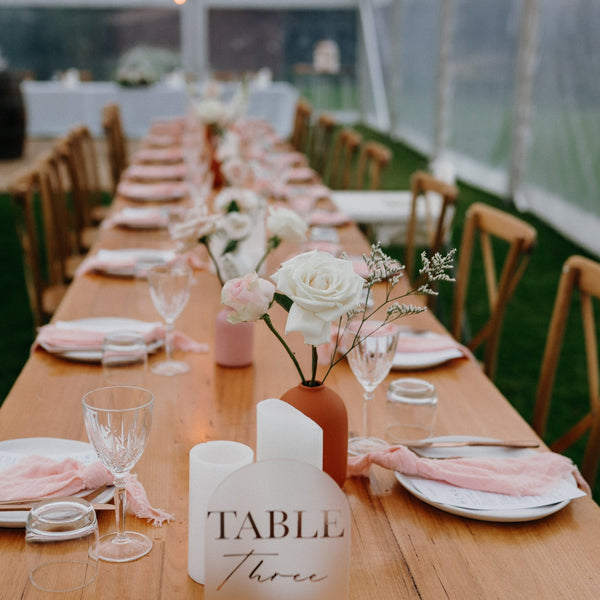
[145, 65]
[317, 290]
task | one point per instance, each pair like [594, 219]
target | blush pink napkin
[523, 476]
[152, 191]
[39, 476]
[96, 263]
[158, 156]
[301, 174]
[144, 172]
[64, 339]
[142, 217]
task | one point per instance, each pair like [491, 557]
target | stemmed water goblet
[370, 360]
[170, 292]
[118, 420]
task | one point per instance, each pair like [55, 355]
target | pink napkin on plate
[288, 159]
[528, 475]
[145, 172]
[62, 339]
[331, 218]
[158, 155]
[138, 218]
[98, 262]
[157, 191]
[161, 140]
[428, 342]
[40, 476]
[301, 174]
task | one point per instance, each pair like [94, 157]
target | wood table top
[401, 547]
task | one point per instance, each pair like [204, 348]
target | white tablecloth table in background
[54, 107]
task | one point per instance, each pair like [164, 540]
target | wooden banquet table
[401, 547]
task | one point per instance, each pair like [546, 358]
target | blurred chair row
[495, 239]
[340, 156]
[58, 203]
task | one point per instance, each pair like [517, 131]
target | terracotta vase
[327, 409]
[234, 342]
[215, 165]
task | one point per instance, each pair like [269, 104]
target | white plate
[146, 254]
[105, 325]
[502, 516]
[409, 361]
[11, 451]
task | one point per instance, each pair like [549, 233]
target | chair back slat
[372, 161]
[422, 186]
[494, 225]
[580, 276]
[345, 151]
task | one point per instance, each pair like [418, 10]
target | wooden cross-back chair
[490, 225]
[116, 143]
[78, 153]
[372, 161]
[437, 199]
[55, 184]
[42, 256]
[580, 276]
[300, 131]
[321, 142]
[90, 168]
[342, 158]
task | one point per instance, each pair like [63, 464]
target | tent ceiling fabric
[247, 4]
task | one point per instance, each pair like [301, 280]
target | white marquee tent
[506, 90]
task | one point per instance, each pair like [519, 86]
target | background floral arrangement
[238, 220]
[145, 65]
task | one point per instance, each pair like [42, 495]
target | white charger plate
[501, 516]
[11, 451]
[104, 325]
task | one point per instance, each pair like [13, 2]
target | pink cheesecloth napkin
[39, 476]
[148, 218]
[59, 339]
[115, 261]
[521, 476]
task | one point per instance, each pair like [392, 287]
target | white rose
[322, 288]
[287, 225]
[236, 225]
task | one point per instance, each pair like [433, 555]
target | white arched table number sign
[277, 529]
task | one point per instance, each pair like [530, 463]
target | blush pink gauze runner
[523, 476]
[39, 476]
[63, 339]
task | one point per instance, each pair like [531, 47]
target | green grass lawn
[525, 323]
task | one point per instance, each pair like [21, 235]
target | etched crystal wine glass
[370, 360]
[170, 292]
[118, 420]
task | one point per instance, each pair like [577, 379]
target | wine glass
[370, 360]
[117, 420]
[170, 292]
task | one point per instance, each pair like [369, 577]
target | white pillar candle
[210, 464]
[282, 431]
